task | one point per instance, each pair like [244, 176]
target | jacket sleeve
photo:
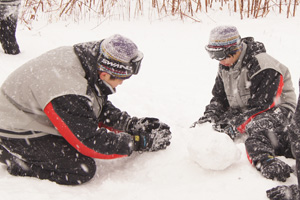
[266, 89]
[113, 118]
[219, 103]
[75, 120]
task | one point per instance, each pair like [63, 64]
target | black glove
[273, 168]
[150, 134]
[229, 129]
[146, 124]
[284, 193]
[151, 142]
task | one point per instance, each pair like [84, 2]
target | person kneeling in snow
[253, 94]
[291, 192]
[55, 116]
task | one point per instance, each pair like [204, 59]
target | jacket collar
[88, 54]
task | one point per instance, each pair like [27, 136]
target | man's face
[229, 61]
[112, 82]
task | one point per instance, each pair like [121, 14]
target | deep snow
[174, 84]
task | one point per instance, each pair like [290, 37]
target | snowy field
[174, 85]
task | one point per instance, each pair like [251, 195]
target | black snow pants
[268, 135]
[294, 134]
[48, 157]
[9, 10]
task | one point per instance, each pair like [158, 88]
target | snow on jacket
[60, 93]
[254, 84]
[9, 8]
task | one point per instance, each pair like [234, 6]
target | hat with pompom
[119, 57]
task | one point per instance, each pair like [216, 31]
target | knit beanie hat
[118, 56]
[223, 37]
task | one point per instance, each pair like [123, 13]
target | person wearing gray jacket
[55, 116]
[9, 10]
[253, 96]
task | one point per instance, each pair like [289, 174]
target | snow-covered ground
[174, 85]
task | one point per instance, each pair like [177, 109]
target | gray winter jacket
[60, 93]
[237, 81]
[254, 84]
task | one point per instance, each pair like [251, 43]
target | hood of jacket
[253, 48]
[88, 54]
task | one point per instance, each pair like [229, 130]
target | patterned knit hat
[223, 37]
[119, 57]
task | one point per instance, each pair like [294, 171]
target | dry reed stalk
[65, 7]
[139, 5]
[163, 7]
[265, 7]
[178, 9]
[122, 8]
[234, 6]
[288, 8]
[102, 7]
[173, 7]
[190, 7]
[71, 8]
[154, 3]
[248, 12]
[280, 6]
[295, 5]
[35, 7]
[190, 17]
[241, 6]
[199, 6]
[257, 9]
[253, 6]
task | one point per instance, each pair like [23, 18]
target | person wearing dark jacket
[55, 116]
[9, 10]
[290, 192]
[253, 95]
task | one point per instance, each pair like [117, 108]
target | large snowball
[210, 149]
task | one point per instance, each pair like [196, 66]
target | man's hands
[229, 129]
[208, 117]
[223, 124]
[149, 134]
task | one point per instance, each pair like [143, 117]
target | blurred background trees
[77, 10]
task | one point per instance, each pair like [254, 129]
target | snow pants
[9, 10]
[294, 134]
[48, 157]
[268, 135]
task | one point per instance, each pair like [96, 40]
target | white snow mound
[210, 149]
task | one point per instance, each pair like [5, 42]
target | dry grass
[77, 10]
